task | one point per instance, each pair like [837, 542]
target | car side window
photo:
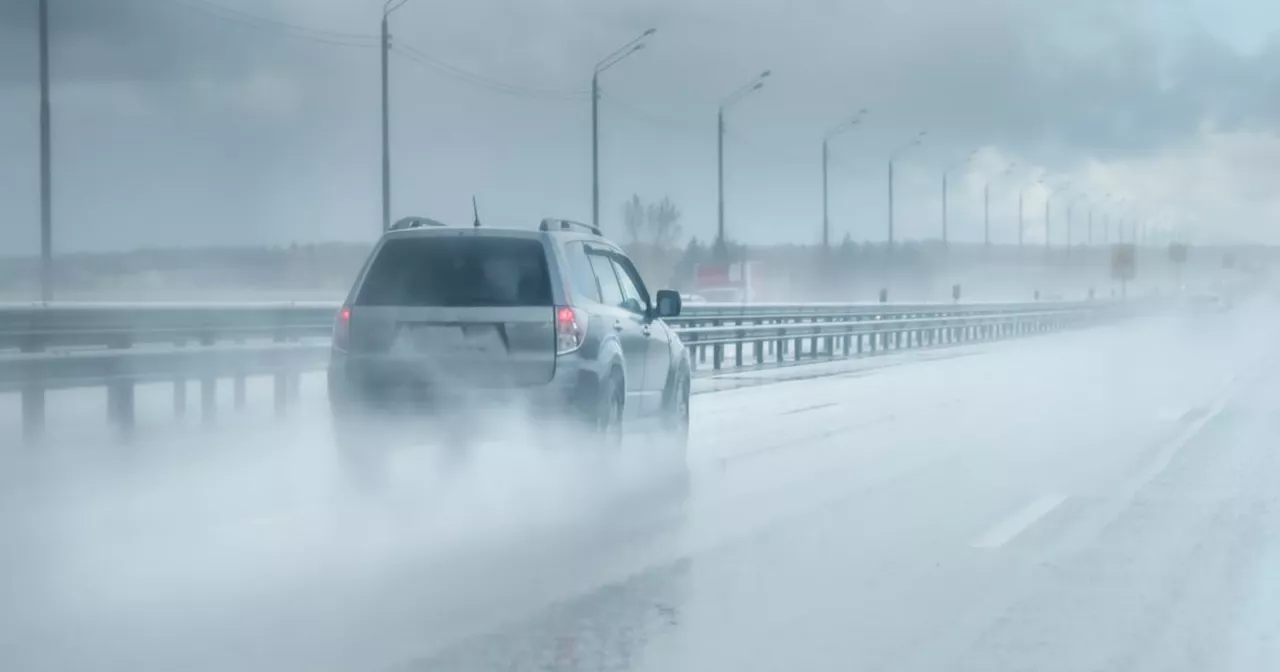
[584, 279]
[634, 298]
[610, 290]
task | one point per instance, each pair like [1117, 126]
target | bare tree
[633, 218]
[664, 227]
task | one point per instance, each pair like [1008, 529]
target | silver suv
[444, 321]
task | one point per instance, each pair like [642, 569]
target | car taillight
[342, 329]
[571, 329]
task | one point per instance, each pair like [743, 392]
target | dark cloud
[156, 40]
[263, 130]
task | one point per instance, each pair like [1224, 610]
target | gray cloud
[177, 123]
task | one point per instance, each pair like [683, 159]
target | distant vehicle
[692, 298]
[443, 321]
[724, 295]
[715, 280]
[1210, 301]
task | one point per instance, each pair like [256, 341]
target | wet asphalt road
[1098, 500]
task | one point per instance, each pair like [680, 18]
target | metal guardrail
[37, 327]
[117, 346]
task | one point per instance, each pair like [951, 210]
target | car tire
[609, 407]
[676, 415]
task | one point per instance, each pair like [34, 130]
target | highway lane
[1101, 499]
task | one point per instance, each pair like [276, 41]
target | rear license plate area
[452, 340]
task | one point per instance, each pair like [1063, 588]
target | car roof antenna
[475, 210]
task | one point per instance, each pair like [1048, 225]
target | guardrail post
[208, 398]
[33, 412]
[799, 342]
[782, 344]
[120, 404]
[737, 350]
[758, 347]
[717, 350]
[180, 397]
[281, 393]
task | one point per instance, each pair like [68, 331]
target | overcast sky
[179, 122]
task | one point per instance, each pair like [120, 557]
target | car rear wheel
[678, 412]
[608, 420]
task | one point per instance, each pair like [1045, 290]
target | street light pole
[595, 148]
[986, 216]
[1047, 199]
[893, 157]
[720, 247]
[966, 160]
[387, 8]
[891, 205]
[826, 159]
[944, 210]
[1021, 193]
[1071, 205]
[386, 133]
[46, 186]
[720, 242]
[826, 217]
[986, 206]
[607, 62]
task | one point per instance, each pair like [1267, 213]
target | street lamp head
[766, 73]
[624, 51]
[758, 86]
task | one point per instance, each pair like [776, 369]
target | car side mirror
[669, 303]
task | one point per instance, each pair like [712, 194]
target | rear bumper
[360, 386]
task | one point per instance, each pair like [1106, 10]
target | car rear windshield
[453, 271]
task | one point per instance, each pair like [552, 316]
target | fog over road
[1103, 499]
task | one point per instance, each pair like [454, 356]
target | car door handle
[617, 325]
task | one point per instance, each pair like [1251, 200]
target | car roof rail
[549, 224]
[414, 223]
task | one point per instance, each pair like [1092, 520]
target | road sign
[1124, 266]
[1178, 253]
